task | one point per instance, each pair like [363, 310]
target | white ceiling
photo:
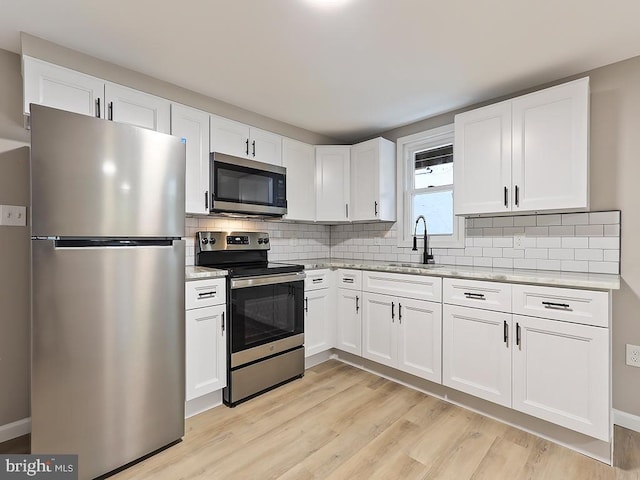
[346, 71]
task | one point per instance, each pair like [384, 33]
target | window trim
[427, 138]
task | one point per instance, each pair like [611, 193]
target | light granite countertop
[597, 281]
[202, 273]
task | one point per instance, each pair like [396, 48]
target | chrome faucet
[426, 257]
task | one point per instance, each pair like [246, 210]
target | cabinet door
[561, 374]
[373, 180]
[475, 357]
[550, 148]
[229, 137]
[420, 338]
[58, 87]
[332, 187]
[300, 161]
[318, 322]
[193, 126]
[380, 335]
[265, 146]
[130, 106]
[205, 350]
[365, 180]
[349, 318]
[482, 166]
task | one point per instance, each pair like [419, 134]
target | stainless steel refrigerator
[107, 201]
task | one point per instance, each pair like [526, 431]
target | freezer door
[107, 352]
[96, 178]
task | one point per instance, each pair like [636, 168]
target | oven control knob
[212, 241]
[260, 240]
[205, 240]
[266, 240]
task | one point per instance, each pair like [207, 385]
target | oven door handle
[259, 280]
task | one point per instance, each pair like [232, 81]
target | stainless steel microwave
[241, 186]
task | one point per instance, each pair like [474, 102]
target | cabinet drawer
[204, 293]
[570, 305]
[317, 279]
[351, 279]
[473, 293]
[419, 287]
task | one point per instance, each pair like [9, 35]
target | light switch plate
[13, 215]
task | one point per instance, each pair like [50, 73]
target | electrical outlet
[12, 215]
[518, 241]
[633, 355]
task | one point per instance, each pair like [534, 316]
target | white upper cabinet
[126, 105]
[265, 146]
[240, 140]
[525, 154]
[58, 87]
[193, 126]
[550, 148]
[332, 183]
[300, 161]
[373, 180]
[482, 165]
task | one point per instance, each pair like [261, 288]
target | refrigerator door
[96, 178]
[107, 352]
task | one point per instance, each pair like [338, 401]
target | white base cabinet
[205, 337]
[349, 321]
[561, 374]
[319, 313]
[403, 333]
[476, 352]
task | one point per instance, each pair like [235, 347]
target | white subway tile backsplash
[575, 219]
[562, 231]
[482, 262]
[525, 221]
[575, 242]
[503, 262]
[503, 242]
[548, 264]
[492, 252]
[536, 231]
[605, 218]
[528, 263]
[492, 232]
[546, 220]
[464, 261]
[482, 242]
[513, 253]
[589, 230]
[561, 254]
[503, 221]
[473, 252]
[513, 231]
[542, 253]
[548, 242]
[611, 230]
[604, 267]
[604, 242]
[482, 222]
[574, 266]
[611, 255]
[592, 254]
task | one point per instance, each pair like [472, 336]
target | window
[426, 173]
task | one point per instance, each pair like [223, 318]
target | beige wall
[615, 185]
[14, 248]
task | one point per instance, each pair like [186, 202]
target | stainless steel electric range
[265, 343]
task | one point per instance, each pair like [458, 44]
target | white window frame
[405, 169]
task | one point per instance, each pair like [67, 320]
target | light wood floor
[339, 422]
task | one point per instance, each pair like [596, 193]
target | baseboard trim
[15, 429]
[626, 420]
[203, 403]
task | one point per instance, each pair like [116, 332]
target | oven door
[246, 186]
[267, 316]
